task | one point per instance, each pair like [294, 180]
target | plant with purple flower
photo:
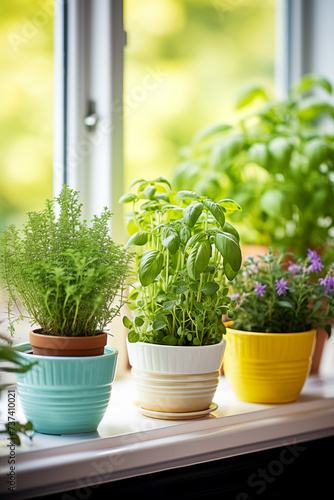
[280, 297]
[259, 289]
[315, 261]
[281, 286]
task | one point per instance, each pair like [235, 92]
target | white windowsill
[128, 444]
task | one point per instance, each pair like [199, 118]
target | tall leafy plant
[65, 272]
[185, 252]
[277, 162]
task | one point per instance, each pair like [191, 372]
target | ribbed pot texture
[66, 395]
[268, 367]
[175, 379]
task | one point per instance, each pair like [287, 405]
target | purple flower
[328, 283]
[316, 264]
[294, 268]
[259, 289]
[235, 296]
[281, 286]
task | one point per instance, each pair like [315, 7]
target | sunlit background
[26, 110]
[184, 63]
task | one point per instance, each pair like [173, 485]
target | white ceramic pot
[173, 378]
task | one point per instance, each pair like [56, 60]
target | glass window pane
[184, 63]
[26, 112]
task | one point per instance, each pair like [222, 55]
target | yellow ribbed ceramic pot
[267, 367]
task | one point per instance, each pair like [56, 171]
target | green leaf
[187, 195]
[311, 107]
[280, 151]
[170, 239]
[127, 322]
[248, 95]
[229, 248]
[286, 304]
[185, 234]
[229, 272]
[127, 198]
[163, 180]
[223, 152]
[136, 181]
[228, 228]
[216, 210]
[272, 202]
[317, 151]
[209, 131]
[307, 82]
[169, 340]
[210, 287]
[140, 238]
[133, 336]
[192, 212]
[198, 259]
[150, 266]
[159, 323]
[150, 191]
[230, 206]
[168, 305]
[139, 321]
[258, 153]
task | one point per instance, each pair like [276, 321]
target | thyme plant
[65, 272]
[185, 252]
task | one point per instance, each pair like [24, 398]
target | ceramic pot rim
[180, 347]
[229, 328]
[23, 348]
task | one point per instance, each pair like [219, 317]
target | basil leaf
[216, 211]
[170, 239]
[198, 259]
[185, 195]
[192, 212]
[150, 266]
[139, 238]
[229, 248]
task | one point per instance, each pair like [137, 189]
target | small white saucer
[176, 416]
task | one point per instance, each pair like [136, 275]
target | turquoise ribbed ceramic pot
[66, 395]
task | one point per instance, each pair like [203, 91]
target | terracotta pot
[319, 346]
[52, 345]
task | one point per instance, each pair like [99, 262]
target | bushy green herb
[281, 293]
[65, 272]
[185, 249]
[277, 162]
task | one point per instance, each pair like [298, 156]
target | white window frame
[88, 59]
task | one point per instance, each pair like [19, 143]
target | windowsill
[129, 444]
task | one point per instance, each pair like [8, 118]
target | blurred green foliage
[26, 113]
[277, 162]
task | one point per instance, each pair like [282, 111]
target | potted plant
[67, 275]
[277, 161]
[185, 250]
[281, 304]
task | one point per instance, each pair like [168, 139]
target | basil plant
[186, 254]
